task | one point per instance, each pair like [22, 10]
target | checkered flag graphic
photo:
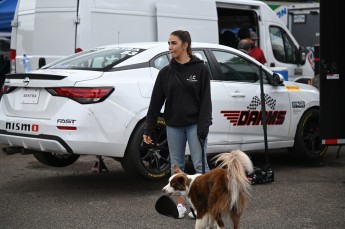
[270, 102]
[256, 102]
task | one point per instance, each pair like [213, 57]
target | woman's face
[176, 47]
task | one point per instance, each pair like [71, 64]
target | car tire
[308, 143]
[145, 161]
[56, 160]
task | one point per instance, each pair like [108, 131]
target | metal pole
[263, 117]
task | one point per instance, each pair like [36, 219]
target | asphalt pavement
[32, 195]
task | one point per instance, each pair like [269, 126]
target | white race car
[95, 102]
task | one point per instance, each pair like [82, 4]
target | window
[163, 60]
[231, 23]
[160, 62]
[96, 59]
[236, 68]
[201, 55]
[284, 50]
[5, 47]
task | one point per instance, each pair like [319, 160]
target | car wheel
[307, 139]
[150, 162]
[56, 160]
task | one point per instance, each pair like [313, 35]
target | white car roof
[158, 47]
[149, 45]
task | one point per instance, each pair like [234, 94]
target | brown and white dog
[222, 190]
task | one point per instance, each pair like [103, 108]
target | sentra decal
[298, 104]
[253, 116]
[22, 127]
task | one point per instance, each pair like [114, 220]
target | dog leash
[202, 142]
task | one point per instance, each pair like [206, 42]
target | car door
[219, 129]
[240, 77]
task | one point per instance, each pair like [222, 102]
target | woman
[184, 87]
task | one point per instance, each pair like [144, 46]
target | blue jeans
[177, 140]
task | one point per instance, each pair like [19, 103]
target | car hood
[50, 78]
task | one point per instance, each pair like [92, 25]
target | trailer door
[332, 75]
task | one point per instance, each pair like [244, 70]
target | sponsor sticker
[254, 118]
[23, 127]
[298, 104]
[332, 76]
[293, 88]
[67, 122]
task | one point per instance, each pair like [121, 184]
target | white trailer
[46, 30]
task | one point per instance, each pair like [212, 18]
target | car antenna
[118, 38]
[264, 120]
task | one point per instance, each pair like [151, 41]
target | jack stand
[99, 166]
[338, 151]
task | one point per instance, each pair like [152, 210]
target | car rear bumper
[39, 142]
[55, 144]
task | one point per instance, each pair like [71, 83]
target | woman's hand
[147, 139]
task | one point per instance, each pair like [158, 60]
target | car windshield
[95, 59]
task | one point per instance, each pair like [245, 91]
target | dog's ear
[183, 183]
[177, 169]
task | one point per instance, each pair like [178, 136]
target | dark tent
[7, 9]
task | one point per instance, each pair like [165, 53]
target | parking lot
[303, 195]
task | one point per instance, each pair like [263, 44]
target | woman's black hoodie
[183, 106]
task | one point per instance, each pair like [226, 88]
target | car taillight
[13, 54]
[78, 50]
[83, 95]
[4, 89]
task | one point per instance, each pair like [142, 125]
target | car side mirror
[301, 56]
[276, 79]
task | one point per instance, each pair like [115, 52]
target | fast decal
[69, 122]
[298, 104]
[22, 127]
[253, 117]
